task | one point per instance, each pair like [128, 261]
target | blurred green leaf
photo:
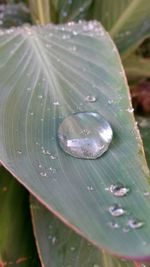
[128, 21]
[17, 246]
[46, 74]
[71, 10]
[40, 11]
[14, 15]
[60, 246]
[137, 67]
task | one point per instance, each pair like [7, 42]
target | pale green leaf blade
[46, 74]
[128, 21]
[60, 246]
[17, 247]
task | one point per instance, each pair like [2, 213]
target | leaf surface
[60, 246]
[17, 246]
[46, 74]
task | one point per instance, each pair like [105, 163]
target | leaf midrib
[124, 17]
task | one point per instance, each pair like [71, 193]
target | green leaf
[137, 67]
[128, 21]
[17, 246]
[46, 73]
[60, 246]
[71, 10]
[40, 11]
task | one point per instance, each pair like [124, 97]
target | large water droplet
[119, 190]
[116, 210]
[135, 224]
[91, 146]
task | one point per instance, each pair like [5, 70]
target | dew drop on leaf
[146, 194]
[19, 151]
[119, 190]
[114, 225]
[90, 188]
[44, 174]
[56, 103]
[116, 210]
[135, 223]
[90, 98]
[72, 140]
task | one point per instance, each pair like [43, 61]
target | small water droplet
[146, 194]
[31, 113]
[72, 248]
[40, 166]
[116, 210]
[66, 37]
[90, 98]
[53, 157]
[56, 103]
[119, 190]
[53, 240]
[126, 229]
[110, 102]
[113, 225]
[19, 151]
[90, 188]
[135, 223]
[75, 33]
[130, 110]
[40, 96]
[28, 88]
[44, 174]
[89, 146]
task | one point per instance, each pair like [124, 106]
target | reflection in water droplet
[90, 98]
[40, 166]
[119, 190]
[135, 224]
[116, 210]
[146, 194]
[90, 146]
[114, 225]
